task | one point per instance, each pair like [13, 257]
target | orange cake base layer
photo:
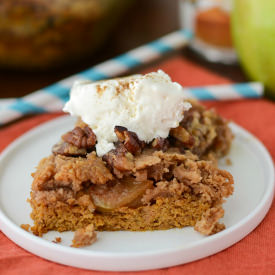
[166, 213]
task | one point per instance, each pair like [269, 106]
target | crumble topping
[169, 171]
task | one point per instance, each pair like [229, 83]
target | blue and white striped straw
[52, 98]
[226, 91]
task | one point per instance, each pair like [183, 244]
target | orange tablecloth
[255, 254]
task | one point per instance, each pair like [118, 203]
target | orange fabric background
[255, 254]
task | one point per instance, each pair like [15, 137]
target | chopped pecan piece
[67, 149]
[160, 144]
[183, 136]
[188, 118]
[81, 137]
[119, 131]
[119, 159]
[129, 139]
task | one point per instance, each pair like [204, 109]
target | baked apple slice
[127, 192]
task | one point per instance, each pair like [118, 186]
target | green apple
[253, 29]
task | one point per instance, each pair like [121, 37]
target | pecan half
[129, 139]
[81, 137]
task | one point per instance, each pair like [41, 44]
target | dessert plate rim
[113, 261]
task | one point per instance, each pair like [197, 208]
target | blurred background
[43, 41]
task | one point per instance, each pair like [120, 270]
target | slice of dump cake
[145, 165]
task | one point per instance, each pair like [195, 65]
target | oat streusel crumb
[84, 236]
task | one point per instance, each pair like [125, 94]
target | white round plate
[251, 167]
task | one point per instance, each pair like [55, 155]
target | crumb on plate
[228, 161]
[84, 236]
[26, 227]
[57, 240]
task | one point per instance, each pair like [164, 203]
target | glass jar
[209, 20]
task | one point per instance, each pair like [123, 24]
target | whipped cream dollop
[149, 105]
